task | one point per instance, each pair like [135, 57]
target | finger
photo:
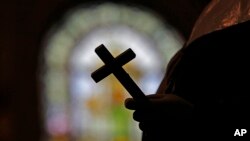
[145, 115]
[141, 115]
[142, 126]
[155, 96]
[166, 99]
[130, 104]
[149, 126]
[158, 99]
[137, 116]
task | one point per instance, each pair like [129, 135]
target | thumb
[131, 104]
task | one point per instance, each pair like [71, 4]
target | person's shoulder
[230, 40]
[233, 33]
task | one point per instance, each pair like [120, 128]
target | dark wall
[23, 24]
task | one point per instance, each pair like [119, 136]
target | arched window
[75, 107]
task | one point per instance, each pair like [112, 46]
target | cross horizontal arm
[101, 73]
[110, 63]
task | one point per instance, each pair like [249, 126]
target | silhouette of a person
[204, 92]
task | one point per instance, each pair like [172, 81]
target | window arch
[76, 108]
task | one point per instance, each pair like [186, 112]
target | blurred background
[47, 56]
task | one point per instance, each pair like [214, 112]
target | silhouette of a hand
[161, 111]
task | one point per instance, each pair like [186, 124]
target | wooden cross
[114, 65]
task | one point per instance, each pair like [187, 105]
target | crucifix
[114, 65]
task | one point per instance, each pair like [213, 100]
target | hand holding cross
[114, 65]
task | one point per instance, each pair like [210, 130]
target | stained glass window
[75, 107]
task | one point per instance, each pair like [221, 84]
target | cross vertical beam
[114, 65]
